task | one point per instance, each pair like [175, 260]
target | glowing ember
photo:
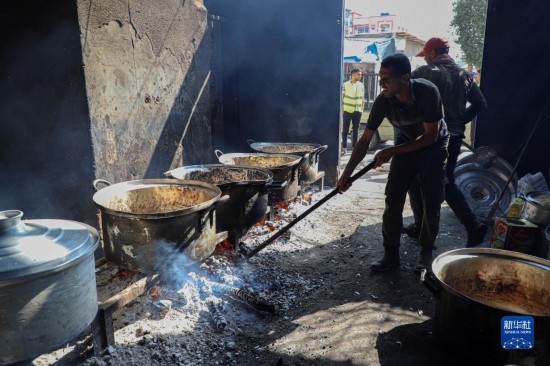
[124, 275]
[283, 205]
[224, 246]
[155, 291]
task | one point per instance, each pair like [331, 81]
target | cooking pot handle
[428, 280]
[319, 150]
[223, 199]
[250, 142]
[302, 161]
[218, 153]
[278, 184]
[98, 181]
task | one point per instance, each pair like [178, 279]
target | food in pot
[284, 148]
[263, 161]
[223, 176]
[160, 199]
[505, 287]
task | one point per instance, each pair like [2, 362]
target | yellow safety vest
[352, 100]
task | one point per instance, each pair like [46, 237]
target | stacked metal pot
[482, 180]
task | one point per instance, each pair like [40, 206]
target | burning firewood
[218, 289]
[252, 300]
[246, 296]
[217, 316]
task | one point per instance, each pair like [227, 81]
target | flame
[155, 291]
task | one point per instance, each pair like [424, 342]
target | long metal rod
[308, 211]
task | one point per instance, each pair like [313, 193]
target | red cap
[434, 43]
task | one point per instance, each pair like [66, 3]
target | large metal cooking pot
[247, 188]
[309, 169]
[537, 207]
[475, 288]
[144, 223]
[48, 292]
[284, 167]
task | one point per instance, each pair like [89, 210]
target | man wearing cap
[457, 88]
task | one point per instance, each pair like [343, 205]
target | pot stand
[103, 331]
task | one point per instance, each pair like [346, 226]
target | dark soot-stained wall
[515, 81]
[282, 64]
[46, 158]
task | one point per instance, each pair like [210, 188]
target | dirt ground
[331, 309]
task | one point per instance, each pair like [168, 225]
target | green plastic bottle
[515, 208]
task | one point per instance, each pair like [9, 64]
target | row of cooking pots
[44, 263]
[139, 216]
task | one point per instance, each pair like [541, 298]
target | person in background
[457, 89]
[478, 77]
[471, 71]
[414, 107]
[353, 101]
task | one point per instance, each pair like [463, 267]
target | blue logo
[517, 332]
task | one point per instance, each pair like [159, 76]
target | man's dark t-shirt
[409, 120]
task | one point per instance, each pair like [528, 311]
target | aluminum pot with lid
[144, 223]
[48, 292]
[537, 207]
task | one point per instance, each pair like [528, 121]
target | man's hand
[383, 156]
[343, 183]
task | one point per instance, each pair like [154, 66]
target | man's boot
[390, 260]
[476, 233]
[412, 230]
[424, 261]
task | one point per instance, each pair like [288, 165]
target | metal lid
[29, 247]
[541, 198]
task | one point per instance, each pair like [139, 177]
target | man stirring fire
[415, 108]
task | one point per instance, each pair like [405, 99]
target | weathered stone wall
[148, 78]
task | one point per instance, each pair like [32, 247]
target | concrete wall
[149, 79]
[46, 158]
[117, 90]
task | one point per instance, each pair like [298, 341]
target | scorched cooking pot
[309, 169]
[537, 207]
[145, 222]
[48, 292]
[246, 187]
[475, 288]
[284, 167]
